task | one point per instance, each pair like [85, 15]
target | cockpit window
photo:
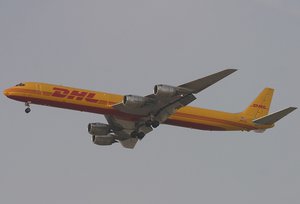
[20, 84]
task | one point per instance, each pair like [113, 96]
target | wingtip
[231, 70]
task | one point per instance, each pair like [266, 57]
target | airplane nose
[6, 92]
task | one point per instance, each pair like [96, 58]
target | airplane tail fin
[260, 106]
[273, 118]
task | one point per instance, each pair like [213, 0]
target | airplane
[131, 117]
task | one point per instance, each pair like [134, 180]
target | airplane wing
[200, 84]
[171, 98]
[155, 108]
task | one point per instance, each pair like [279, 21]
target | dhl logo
[74, 94]
[259, 106]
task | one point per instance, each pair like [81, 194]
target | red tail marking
[259, 106]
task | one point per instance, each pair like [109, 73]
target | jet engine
[98, 129]
[132, 101]
[165, 90]
[103, 139]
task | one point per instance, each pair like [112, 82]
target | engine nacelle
[165, 90]
[103, 140]
[98, 129]
[132, 101]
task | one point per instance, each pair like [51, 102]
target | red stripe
[78, 107]
[131, 117]
[47, 93]
[193, 125]
[198, 117]
[21, 90]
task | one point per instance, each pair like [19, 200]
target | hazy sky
[127, 47]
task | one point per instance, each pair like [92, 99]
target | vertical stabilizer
[261, 105]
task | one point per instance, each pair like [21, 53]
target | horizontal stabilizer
[273, 118]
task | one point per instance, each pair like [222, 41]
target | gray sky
[127, 47]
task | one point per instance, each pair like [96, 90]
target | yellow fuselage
[101, 103]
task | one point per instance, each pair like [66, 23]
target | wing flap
[129, 143]
[163, 113]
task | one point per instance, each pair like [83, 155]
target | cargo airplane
[131, 117]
